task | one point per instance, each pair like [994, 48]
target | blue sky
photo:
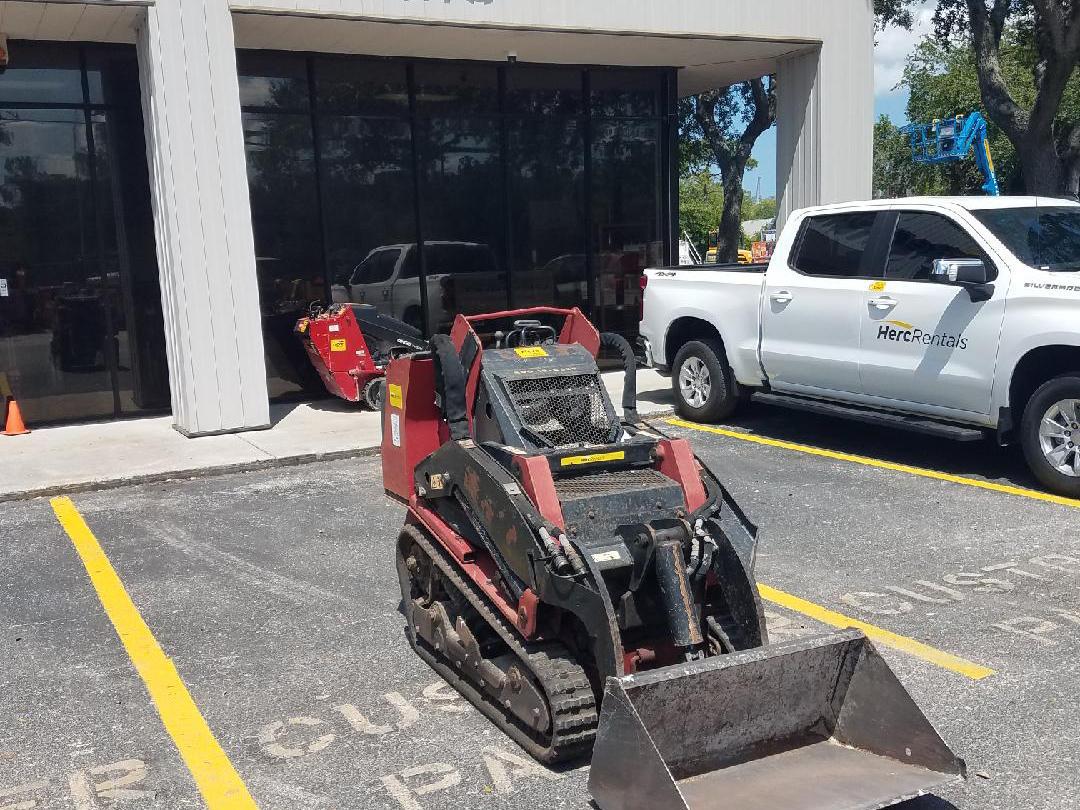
[890, 53]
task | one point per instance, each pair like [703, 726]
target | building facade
[181, 179]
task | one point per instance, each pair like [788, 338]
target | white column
[825, 118]
[202, 217]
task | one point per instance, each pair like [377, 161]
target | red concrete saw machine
[588, 584]
[350, 346]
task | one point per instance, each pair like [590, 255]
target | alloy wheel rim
[695, 382]
[1059, 437]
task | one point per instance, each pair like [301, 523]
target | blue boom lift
[951, 139]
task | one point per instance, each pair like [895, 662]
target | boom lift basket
[801, 725]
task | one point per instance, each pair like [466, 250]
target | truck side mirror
[969, 273]
[959, 271]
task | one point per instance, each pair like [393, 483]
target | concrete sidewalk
[75, 458]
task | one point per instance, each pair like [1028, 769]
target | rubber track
[565, 685]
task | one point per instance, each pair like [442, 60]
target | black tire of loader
[572, 703]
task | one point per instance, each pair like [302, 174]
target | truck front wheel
[1050, 434]
[701, 379]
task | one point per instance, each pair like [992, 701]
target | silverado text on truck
[955, 316]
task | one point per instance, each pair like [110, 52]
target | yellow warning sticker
[877, 286]
[394, 395]
[592, 458]
[530, 351]
[338, 345]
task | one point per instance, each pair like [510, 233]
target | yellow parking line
[884, 465]
[888, 638]
[218, 782]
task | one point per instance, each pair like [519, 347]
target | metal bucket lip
[719, 662]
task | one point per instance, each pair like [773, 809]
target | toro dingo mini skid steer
[589, 585]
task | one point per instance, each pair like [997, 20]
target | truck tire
[701, 379]
[1050, 434]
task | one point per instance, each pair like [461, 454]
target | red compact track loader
[588, 584]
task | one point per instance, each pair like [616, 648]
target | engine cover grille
[563, 411]
[608, 482]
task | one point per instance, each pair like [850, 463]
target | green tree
[1023, 55]
[701, 201]
[718, 128]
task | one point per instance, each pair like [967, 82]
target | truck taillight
[643, 282]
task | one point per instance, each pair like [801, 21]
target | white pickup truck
[953, 316]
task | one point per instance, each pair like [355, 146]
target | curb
[207, 472]
[194, 472]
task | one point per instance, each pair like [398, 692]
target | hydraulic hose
[611, 340]
[450, 385]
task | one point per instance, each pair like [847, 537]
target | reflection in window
[464, 224]
[42, 74]
[288, 261]
[269, 79]
[362, 86]
[450, 87]
[367, 186]
[533, 90]
[547, 212]
[625, 217]
[624, 93]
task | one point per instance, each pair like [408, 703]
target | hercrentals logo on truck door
[900, 331]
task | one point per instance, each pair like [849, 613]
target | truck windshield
[1047, 238]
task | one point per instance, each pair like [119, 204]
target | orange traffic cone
[15, 425]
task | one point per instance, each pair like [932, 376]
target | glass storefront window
[625, 217]
[624, 93]
[42, 74]
[81, 333]
[428, 188]
[271, 80]
[532, 90]
[463, 218]
[284, 217]
[112, 75]
[368, 211]
[362, 87]
[443, 87]
[547, 212]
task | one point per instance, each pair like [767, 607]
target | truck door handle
[884, 302]
[385, 294]
[781, 297]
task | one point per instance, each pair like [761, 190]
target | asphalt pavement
[273, 593]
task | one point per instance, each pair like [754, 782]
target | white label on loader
[3, 288]
[333, 328]
[395, 429]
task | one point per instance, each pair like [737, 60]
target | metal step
[915, 424]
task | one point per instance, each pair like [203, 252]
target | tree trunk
[1043, 169]
[730, 230]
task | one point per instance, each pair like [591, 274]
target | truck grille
[564, 410]
[608, 482]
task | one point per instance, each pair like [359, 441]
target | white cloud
[893, 46]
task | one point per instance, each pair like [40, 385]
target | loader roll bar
[576, 328]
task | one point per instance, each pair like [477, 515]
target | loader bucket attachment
[803, 725]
